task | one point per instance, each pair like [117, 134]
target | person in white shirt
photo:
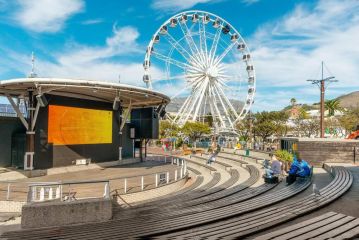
[276, 166]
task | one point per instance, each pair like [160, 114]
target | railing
[160, 178]
[6, 110]
[40, 192]
[13, 188]
[73, 190]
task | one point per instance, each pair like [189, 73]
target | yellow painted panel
[72, 125]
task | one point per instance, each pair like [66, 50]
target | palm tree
[332, 106]
[293, 101]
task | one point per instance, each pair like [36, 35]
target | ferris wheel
[202, 62]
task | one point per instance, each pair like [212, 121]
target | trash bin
[247, 152]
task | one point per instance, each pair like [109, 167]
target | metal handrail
[34, 186]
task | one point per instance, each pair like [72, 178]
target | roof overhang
[84, 89]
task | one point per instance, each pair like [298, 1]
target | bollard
[142, 185]
[181, 172]
[168, 177]
[172, 160]
[156, 180]
[165, 159]
[177, 162]
[176, 175]
[125, 188]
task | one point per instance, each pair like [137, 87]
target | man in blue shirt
[299, 168]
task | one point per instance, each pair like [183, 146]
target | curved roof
[83, 89]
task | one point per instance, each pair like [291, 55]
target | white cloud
[176, 5]
[46, 15]
[249, 2]
[289, 51]
[92, 21]
[89, 62]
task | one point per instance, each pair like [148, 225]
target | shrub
[284, 155]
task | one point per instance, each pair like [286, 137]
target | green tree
[267, 124]
[195, 130]
[243, 128]
[305, 125]
[293, 101]
[332, 106]
[350, 119]
[168, 129]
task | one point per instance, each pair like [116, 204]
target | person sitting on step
[299, 168]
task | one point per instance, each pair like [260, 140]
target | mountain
[176, 104]
[350, 100]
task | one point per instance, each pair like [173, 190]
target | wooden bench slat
[340, 230]
[296, 226]
[351, 234]
[322, 229]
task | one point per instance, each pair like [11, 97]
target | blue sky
[104, 39]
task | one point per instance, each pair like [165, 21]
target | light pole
[321, 84]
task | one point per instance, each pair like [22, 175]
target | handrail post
[42, 193]
[142, 185]
[57, 194]
[29, 194]
[34, 193]
[125, 185]
[50, 193]
[61, 192]
[107, 190]
[176, 175]
[8, 191]
[168, 177]
[156, 181]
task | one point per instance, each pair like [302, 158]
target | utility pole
[321, 84]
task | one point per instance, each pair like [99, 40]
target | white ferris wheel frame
[199, 58]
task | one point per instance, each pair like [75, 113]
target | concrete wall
[11, 206]
[54, 213]
[319, 151]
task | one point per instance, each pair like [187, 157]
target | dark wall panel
[9, 126]
[146, 123]
[127, 143]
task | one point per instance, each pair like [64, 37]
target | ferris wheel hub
[211, 72]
